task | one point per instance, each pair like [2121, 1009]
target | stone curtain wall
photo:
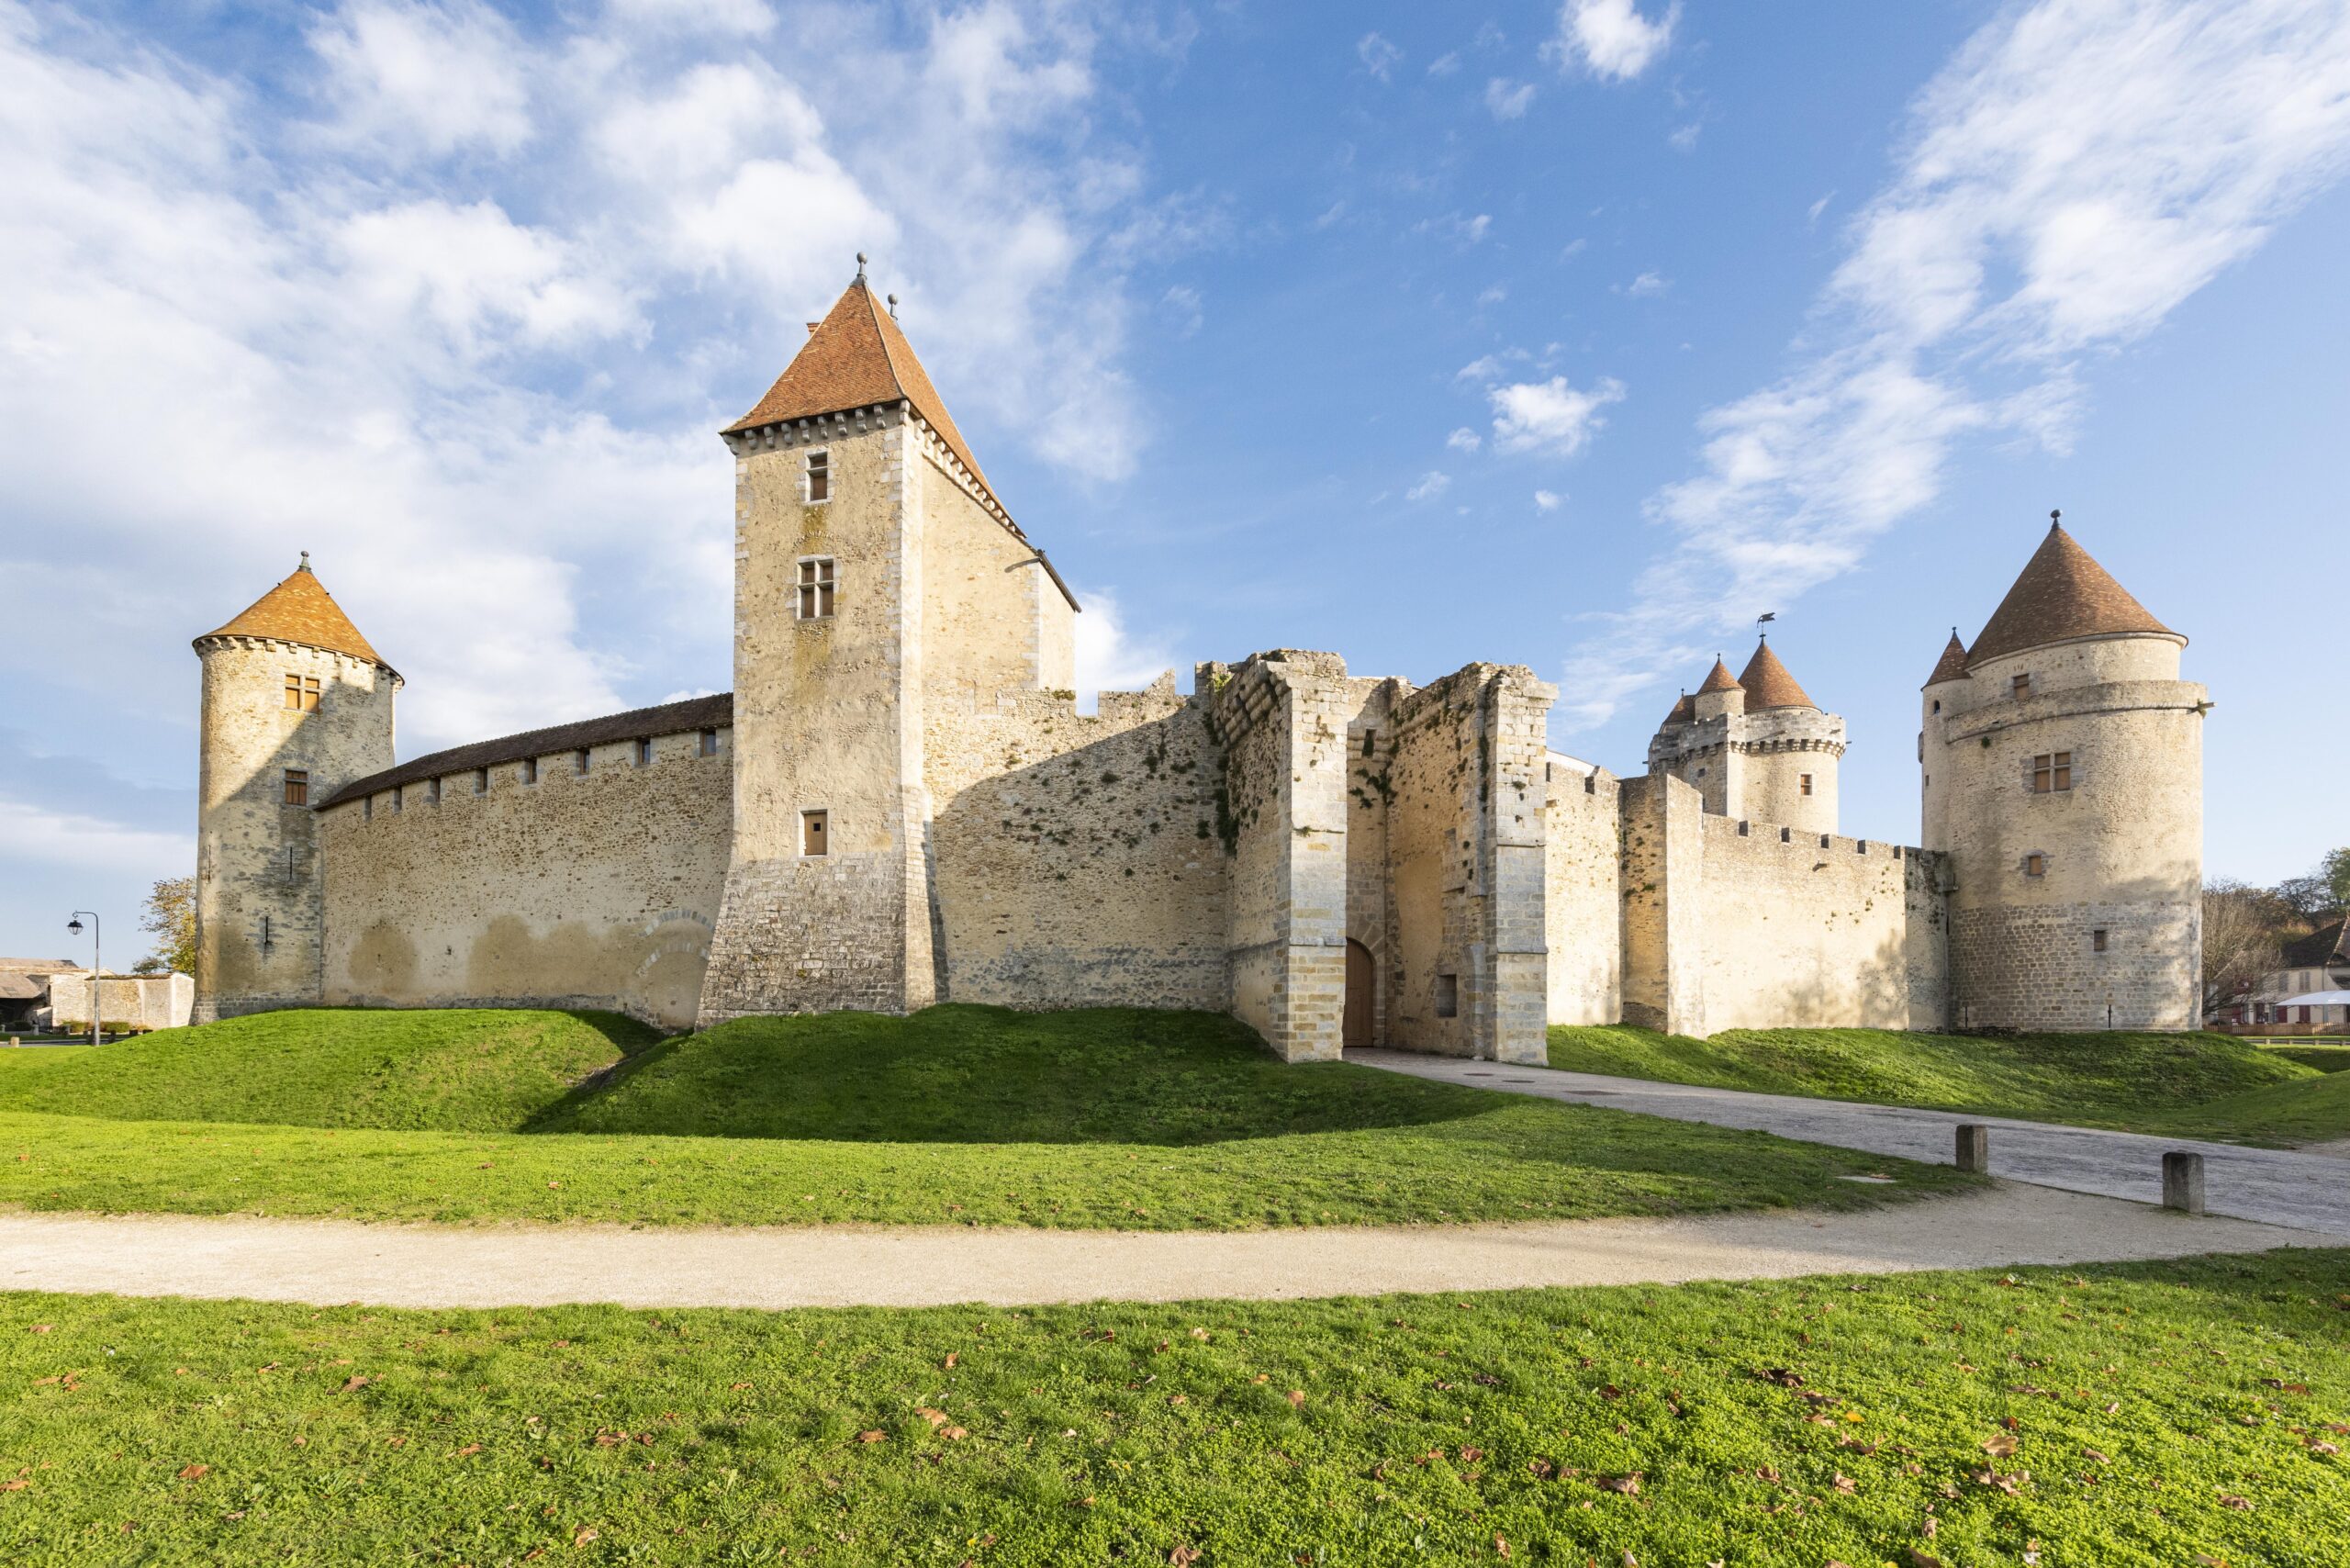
[136, 1002]
[1582, 905]
[1076, 858]
[1661, 875]
[579, 891]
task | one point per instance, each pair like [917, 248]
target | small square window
[297, 787]
[1741, 829]
[1447, 996]
[579, 760]
[812, 833]
[820, 476]
[2020, 686]
[1786, 835]
[2035, 865]
[2052, 772]
[2097, 941]
[481, 780]
[1803, 782]
[1371, 745]
[815, 596]
[710, 742]
[645, 754]
[529, 770]
[302, 692]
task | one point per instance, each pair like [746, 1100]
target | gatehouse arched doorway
[1362, 991]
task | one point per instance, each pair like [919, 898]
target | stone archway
[1361, 993]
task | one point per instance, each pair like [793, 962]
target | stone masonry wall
[1581, 906]
[594, 890]
[1076, 858]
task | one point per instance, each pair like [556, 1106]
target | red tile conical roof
[856, 358]
[1768, 684]
[1718, 679]
[2061, 594]
[1952, 665]
[299, 609]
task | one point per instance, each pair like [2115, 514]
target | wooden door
[1360, 989]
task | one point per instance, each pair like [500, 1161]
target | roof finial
[893, 307]
[306, 561]
[2055, 518]
[860, 264]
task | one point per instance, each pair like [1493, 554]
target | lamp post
[98, 964]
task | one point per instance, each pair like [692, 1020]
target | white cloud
[2077, 171]
[736, 17]
[1485, 367]
[407, 78]
[1432, 485]
[1182, 304]
[32, 833]
[1462, 230]
[1550, 416]
[1445, 64]
[1647, 285]
[1684, 138]
[1547, 501]
[1507, 99]
[1464, 440]
[1378, 55]
[1611, 38]
[1492, 294]
[1109, 657]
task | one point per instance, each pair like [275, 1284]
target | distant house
[54, 994]
[23, 989]
[2319, 961]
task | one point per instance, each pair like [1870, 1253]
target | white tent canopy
[2317, 999]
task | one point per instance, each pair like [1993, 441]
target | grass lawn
[2194, 1085]
[2164, 1414]
[974, 1115]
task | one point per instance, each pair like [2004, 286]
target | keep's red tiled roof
[1768, 684]
[299, 609]
[2061, 595]
[1952, 665]
[1718, 679]
[1683, 707]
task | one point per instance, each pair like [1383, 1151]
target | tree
[2244, 932]
[2308, 899]
[170, 917]
[150, 964]
[2335, 869]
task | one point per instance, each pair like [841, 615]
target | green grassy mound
[468, 1070]
[2162, 1414]
[2213, 1084]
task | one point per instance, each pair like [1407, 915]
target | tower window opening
[816, 588]
[1590, 782]
[645, 754]
[1371, 744]
[2020, 686]
[2052, 772]
[1786, 835]
[1938, 704]
[367, 809]
[1803, 782]
[397, 800]
[1447, 996]
[2035, 865]
[820, 476]
[710, 742]
[812, 833]
[2097, 941]
[433, 792]
[529, 770]
[297, 787]
[1741, 828]
[579, 760]
[481, 780]
[302, 693]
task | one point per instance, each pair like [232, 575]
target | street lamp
[98, 964]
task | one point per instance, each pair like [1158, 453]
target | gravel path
[327, 1261]
[2300, 1188]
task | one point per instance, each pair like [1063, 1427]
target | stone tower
[2063, 762]
[295, 704]
[1755, 745]
[877, 578]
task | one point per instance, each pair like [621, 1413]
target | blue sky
[1573, 335]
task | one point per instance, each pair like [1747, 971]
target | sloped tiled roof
[38, 966]
[1768, 684]
[2318, 947]
[16, 985]
[1718, 679]
[1683, 707]
[299, 609]
[856, 358]
[2061, 594]
[666, 719]
[1952, 665]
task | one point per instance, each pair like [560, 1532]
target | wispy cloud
[1379, 56]
[1432, 484]
[1646, 286]
[1551, 415]
[1611, 39]
[2078, 169]
[1507, 99]
[1547, 501]
[1464, 440]
[1109, 657]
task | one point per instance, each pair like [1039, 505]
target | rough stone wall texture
[2121, 851]
[1076, 861]
[1582, 903]
[1371, 758]
[258, 880]
[1783, 746]
[135, 1001]
[827, 716]
[985, 630]
[595, 890]
[1661, 876]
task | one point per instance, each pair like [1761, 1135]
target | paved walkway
[2299, 1188]
[327, 1261]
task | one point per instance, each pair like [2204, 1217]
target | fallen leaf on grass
[44, 1328]
[586, 1533]
[935, 1418]
[952, 1357]
[1845, 1484]
[355, 1383]
[194, 1472]
[1183, 1556]
[469, 1451]
[1628, 1484]
[2229, 1500]
[874, 1437]
[953, 1434]
[1501, 1547]
[1297, 1398]
[1999, 1445]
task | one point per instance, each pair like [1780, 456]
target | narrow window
[529, 770]
[2064, 771]
[812, 833]
[395, 797]
[816, 588]
[710, 742]
[579, 760]
[367, 809]
[2020, 686]
[1938, 704]
[2097, 941]
[1370, 742]
[433, 792]
[302, 693]
[1786, 835]
[2035, 865]
[1447, 996]
[820, 476]
[1823, 841]
[1590, 782]
[643, 753]
[481, 780]
[1803, 781]
[1741, 829]
[297, 787]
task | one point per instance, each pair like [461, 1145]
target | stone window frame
[2034, 864]
[579, 762]
[529, 769]
[2063, 769]
[2019, 685]
[1803, 783]
[643, 751]
[297, 786]
[815, 475]
[815, 832]
[481, 780]
[1447, 996]
[399, 799]
[815, 583]
[2099, 940]
[707, 745]
[303, 693]
[432, 790]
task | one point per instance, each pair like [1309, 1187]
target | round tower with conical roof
[295, 704]
[2063, 776]
[1754, 746]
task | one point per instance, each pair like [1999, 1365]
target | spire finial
[306, 561]
[893, 307]
[860, 263]
[2055, 518]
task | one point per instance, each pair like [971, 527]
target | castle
[899, 803]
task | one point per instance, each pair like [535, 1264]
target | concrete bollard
[1974, 1147]
[2183, 1180]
